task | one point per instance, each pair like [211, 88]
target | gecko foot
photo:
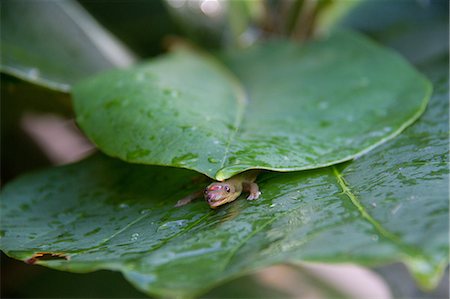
[254, 195]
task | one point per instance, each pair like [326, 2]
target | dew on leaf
[395, 209]
[176, 224]
[213, 160]
[138, 153]
[123, 206]
[185, 159]
[134, 237]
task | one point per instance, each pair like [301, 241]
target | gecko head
[217, 194]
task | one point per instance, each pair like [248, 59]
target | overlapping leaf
[277, 106]
[389, 205]
[55, 43]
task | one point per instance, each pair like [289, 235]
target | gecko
[219, 193]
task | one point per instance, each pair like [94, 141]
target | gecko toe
[253, 196]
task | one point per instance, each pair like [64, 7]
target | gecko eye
[227, 188]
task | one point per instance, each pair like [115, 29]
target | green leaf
[389, 205]
[277, 106]
[55, 43]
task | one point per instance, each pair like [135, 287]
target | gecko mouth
[213, 200]
[215, 204]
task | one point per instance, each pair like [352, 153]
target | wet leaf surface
[55, 43]
[389, 205]
[277, 106]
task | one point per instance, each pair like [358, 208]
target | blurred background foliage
[418, 29]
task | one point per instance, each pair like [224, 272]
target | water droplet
[374, 204]
[216, 141]
[123, 206]
[234, 160]
[395, 209]
[375, 237]
[138, 153]
[134, 236]
[185, 159]
[144, 211]
[213, 160]
[176, 224]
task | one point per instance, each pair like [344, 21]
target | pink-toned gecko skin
[219, 193]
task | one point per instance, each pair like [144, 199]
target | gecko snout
[210, 197]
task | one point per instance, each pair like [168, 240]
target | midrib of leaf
[241, 101]
[237, 123]
[383, 232]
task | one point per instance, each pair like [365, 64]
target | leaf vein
[346, 190]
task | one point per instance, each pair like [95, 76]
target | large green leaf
[55, 43]
[277, 106]
[389, 205]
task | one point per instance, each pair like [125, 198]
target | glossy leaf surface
[277, 106]
[389, 205]
[55, 43]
